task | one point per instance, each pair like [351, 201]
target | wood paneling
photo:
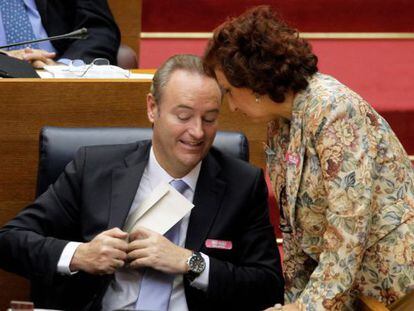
[127, 14]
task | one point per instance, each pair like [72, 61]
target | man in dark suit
[59, 17]
[73, 245]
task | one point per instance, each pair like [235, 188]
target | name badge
[219, 244]
[292, 158]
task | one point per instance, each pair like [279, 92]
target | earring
[257, 97]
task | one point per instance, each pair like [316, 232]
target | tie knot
[179, 185]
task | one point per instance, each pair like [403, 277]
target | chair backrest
[58, 145]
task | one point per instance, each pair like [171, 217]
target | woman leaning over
[342, 179]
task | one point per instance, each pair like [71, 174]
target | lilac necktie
[16, 23]
[156, 286]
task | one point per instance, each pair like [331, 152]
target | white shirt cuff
[201, 282]
[66, 258]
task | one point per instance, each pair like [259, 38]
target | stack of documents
[90, 72]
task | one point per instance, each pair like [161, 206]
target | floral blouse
[345, 188]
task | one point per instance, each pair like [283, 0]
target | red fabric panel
[273, 208]
[402, 122]
[280, 247]
[153, 52]
[381, 71]
[306, 15]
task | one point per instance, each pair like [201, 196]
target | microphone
[77, 34]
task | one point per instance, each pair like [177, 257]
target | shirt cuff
[201, 282]
[66, 258]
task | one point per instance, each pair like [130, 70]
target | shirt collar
[159, 174]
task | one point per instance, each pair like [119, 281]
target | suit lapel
[125, 182]
[207, 201]
[41, 8]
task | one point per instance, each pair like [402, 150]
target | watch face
[196, 263]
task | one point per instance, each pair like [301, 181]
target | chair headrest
[58, 145]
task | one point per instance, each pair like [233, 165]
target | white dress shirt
[123, 291]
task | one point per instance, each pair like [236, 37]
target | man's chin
[191, 160]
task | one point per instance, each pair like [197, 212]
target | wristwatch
[196, 266]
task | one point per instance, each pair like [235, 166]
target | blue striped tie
[16, 23]
[156, 286]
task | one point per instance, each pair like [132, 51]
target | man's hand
[103, 255]
[38, 58]
[150, 249]
[289, 307]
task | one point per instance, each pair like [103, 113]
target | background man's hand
[103, 255]
[289, 307]
[38, 58]
[150, 249]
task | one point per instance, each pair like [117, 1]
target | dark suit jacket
[95, 193]
[62, 16]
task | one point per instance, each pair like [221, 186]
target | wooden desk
[27, 105]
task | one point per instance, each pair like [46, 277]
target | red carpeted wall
[306, 15]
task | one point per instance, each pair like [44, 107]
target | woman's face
[241, 99]
[244, 100]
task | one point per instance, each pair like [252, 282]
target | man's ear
[152, 108]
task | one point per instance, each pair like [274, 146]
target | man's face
[185, 121]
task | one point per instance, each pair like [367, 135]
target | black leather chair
[58, 145]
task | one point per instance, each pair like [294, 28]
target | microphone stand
[77, 34]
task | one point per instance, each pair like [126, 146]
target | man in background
[24, 20]
[74, 244]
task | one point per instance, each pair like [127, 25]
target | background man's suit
[95, 194]
[59, 17]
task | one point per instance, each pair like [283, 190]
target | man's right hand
[103, 255]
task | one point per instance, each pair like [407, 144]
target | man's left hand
[151, 249]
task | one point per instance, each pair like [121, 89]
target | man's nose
[196, 129]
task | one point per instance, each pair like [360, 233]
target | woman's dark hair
[259, 51]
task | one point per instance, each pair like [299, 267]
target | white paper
[85, 72]
[44, 74]
[61, 71]
[141, 76]
[163, 208]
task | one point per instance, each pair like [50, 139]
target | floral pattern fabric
[346, 190]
